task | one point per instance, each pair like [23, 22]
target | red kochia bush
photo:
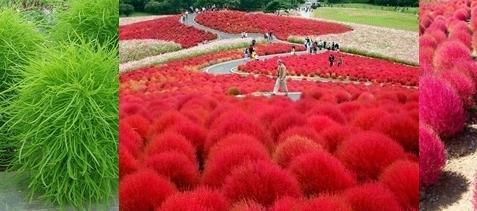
[450, 52]
[367, 119]
[129, 138]
[201, 199]
[127, 163]
[432, 156]
[286, 204]
[335, 135]
[167, 120]
[402, 128]
[369, 153]
[371, 197]
[139, 124]
[292, 147]
[303, 131]
[261, 182]
[248, 206]
[143, 191]
[236, 122]
[176, 167]
[320, 172]
[326, 203]
[463, 84]
[236, 140]
[284, 121]
[221, 163]
[170, 141]
[440, 106]
[321, 122]
[402, 178]
[193, 132]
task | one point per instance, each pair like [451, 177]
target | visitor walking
[254, 42]
[340, 61]
[331, 59]
[281, 81]
[315, 47]
[293, 51]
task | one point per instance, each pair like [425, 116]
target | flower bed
[168, 28]
[353, 68]
[182, 137]
[283, 27]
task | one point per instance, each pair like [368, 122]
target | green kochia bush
[18, 41]
[91, 20]
[65, 118]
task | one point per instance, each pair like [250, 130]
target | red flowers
[168, 29]
[283, 27]
[354, 68]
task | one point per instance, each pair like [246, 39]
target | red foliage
[261, 182]
[176, 167]
[401, 128]
[440, 106]
[303, 131]
[293, 147]
[463, 84]
[143, 191]
[286, 204]
[282, 27]
[201, 199]
[450, 52]
[326, 203]
[248, 206]
[285, 121]
[129, 138]
[168, 28]
[127, 163]
[221, 163]
[320, 172]
[139, 124]
[371, 197]
[402, 178]
[432, 156]
[369, 153]
[335, 135]
[321, 122]
[168, 142]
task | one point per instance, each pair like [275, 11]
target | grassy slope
[370, 15]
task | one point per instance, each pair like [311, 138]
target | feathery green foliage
[18, 41]
[90, 20]
[65, 118]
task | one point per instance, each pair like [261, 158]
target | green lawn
[370, 15]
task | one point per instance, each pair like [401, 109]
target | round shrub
[303, 131]
[90, 21]
[329, 110]
[292, 147]
[126, 9]
[334, 136]
[170, 141]
[196, 200]
[218, 166]
[129, 138]
[463, 36]
[369, 153]
[236, 140]
[138, 123]
[402, 178]
[401, 128]
[74, 119]
[321, 122]
[432, 156]
[326, 203]
[248, 206]
[463, 84]
[127, 163]
[176, 167]
[440, 106]
[320, 172]
[371, 197]
[260, 182]
[286, 204]
[233, 91]
[284, 121]
[194, 133]
[165, 121]
[18, 41]
[143, 190]
[367, 119]
[450, 52]
[236, 122]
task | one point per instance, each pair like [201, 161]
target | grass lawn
[370, 15]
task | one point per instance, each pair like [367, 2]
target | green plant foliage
[136, 50]
[126, 9]
[18, 41]
[65, 119]
[90, 20]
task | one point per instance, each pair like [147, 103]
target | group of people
[313, 46]
[332, 59]
[268, 36]
[197, 10]
[251, 51]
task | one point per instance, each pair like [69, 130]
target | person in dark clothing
[254, 42]
[315, 47]
[324, 44]
[337, 47]
[340, 61]
[250, 50]
[331, 59]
